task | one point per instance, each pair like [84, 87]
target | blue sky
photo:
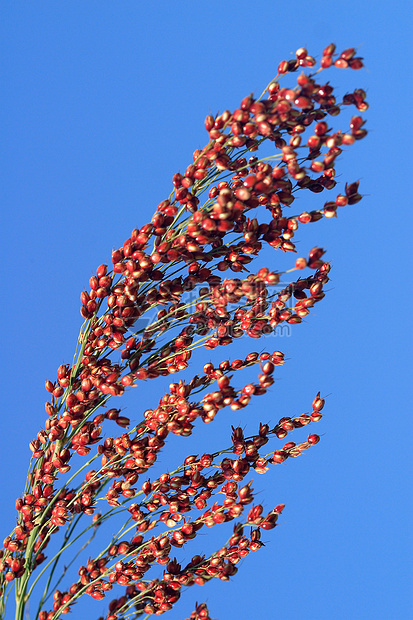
[103, 102]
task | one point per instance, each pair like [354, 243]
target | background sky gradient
[103, 103]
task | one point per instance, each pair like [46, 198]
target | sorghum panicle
[190, 269]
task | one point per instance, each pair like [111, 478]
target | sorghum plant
[189, 271]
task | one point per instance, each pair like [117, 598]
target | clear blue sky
[103, 102]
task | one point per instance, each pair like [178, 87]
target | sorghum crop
[189, 270]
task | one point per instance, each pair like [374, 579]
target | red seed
[356, 64]
[348, 53]
[300, 263]
[94, 283]
[313, 142]
[283, 67]
[101, 271]
[301, 53]
[341, 63]
[329, 50]
[304, 218]
[326, 62]
[318, 403]
[321, 128]
[84, 297]
[303, 102]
